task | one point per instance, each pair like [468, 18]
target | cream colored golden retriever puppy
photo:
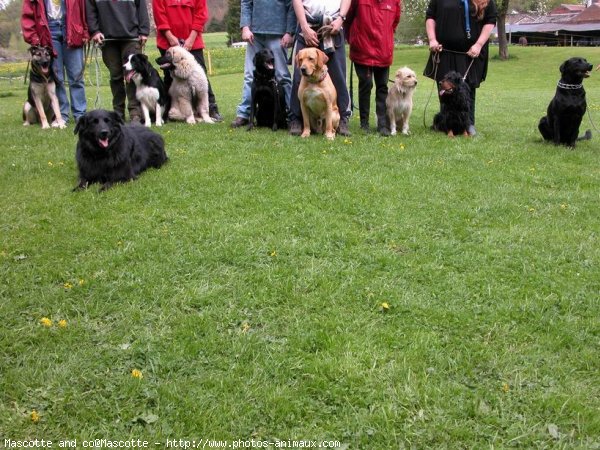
[317, 94]
[189, 89]
[399, 102]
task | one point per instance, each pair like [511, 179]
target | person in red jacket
[372, 24]
[181, 22]
[61, 25]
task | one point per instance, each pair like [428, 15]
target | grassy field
[403, 292]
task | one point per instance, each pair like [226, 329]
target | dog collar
[569, 86]
[322, 76]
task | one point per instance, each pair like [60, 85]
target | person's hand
[336, 25]
[474, 51]
[287, 40]
[435, 46]
[173, 41]
[310, 37]
[188, 44]
[142, 39]
[247, 35]
[98, 38]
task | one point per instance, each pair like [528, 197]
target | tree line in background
[410, 30]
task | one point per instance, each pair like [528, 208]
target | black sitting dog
[267, 101]
[109, 151]
[455, 105]
[565, 112]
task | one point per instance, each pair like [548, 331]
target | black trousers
[366, 76]
[114, 53]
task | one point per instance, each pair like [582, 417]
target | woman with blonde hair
[458, 33]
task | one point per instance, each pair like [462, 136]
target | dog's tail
[586, 136]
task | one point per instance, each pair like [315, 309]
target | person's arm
[28, 23]
[161, 20]
[143, 21]
[246, 20]
[338, 23]
[91, 14]
[434, 45]
[310, 36]
[475, 49]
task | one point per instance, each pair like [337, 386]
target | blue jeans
[282, 73]
[71, 60]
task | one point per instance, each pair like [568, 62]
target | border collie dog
[149, 88]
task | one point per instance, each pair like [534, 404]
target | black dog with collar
[267, 102]
[566, 110]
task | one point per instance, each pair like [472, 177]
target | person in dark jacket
[372, 24]
[61, 25]
[458, 33]
[121, 28]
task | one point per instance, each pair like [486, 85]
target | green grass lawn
[245, 280]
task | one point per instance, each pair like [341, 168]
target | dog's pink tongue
[442, 92]
[103, 142]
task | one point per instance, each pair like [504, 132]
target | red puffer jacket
[370, 27]
[34, 23]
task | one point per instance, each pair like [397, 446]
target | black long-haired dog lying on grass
[565, 112]
[108, 151]
[455, 105]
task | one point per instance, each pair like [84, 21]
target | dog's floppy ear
[81, 123]
[322, 59]
[298, 60]
[116, 118]
[563, 66]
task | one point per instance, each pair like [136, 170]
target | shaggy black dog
[455, 105]
[563, 117]
[108, 151]
[267, 101]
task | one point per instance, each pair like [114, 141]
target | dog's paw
[191, 120]
[330, 136]
[59, 124]
[393, 133]
[406, 132]
[305, 134]
[209, 120]
[26, 124]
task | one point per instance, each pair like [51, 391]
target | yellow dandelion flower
[532, 169]
[564, 206]
[385, 306]
[46, 322]
[35, 417]
[245, 327]
[505, 387]
[135, 373]
[347, 141]
[81, 282]
[67, 285]
[50, 163]
[401, 146]
[273, 253]
[62, 323]
[531, 209]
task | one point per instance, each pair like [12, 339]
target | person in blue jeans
[265, 24]
[61, 24]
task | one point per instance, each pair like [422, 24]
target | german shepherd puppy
[42, 103]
